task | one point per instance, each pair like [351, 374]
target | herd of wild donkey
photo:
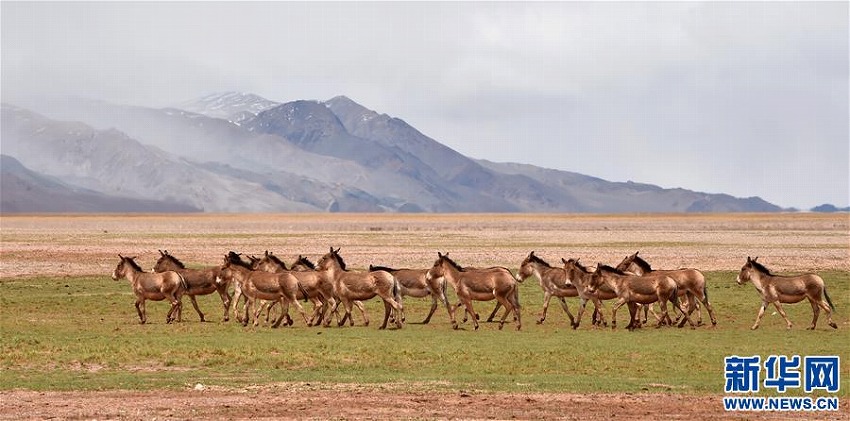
[328, 283]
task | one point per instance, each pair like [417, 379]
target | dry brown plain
[88, 244]
[38, 245]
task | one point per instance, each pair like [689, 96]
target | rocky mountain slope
[240, 152]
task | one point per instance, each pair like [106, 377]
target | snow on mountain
[232, 106]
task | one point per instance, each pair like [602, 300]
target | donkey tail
[183, 282]
[828, 300]
[303, 291]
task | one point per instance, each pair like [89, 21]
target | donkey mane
[759, 267]
[234, 259]
[643, 264]
[579, 265]
[304, 261]
[133, 264]
[174, 260]
[339, 260]
[384, 268]
[458, 267]
[535, 259]
[610, 269]
[276, 260]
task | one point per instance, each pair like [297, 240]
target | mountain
[23, 190]
[231, 106]
[112, 163]
[604, 196]
[829, 208]
[309, 156]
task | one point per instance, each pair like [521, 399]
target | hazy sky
[749, 99]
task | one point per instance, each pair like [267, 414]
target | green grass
[82, 333]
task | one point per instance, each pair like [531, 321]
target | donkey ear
[755, 258]
[120, 256]
[564, 261]
[337, 250]
[532, 253]
[439, 255]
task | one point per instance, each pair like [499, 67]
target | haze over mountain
[237, 152]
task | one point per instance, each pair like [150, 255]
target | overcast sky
[749, 99]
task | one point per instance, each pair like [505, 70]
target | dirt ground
[304, 401]
[89, 244]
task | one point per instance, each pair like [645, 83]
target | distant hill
[23, 190]
[238, 152]
[828, 208]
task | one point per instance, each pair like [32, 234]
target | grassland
[81, 333]
[65, 325]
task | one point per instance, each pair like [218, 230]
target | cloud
[710, 96]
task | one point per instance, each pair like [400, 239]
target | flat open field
[72, 346]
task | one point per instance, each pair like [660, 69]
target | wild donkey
[200, 281]
[480, 285]
[167, 285]
[787, 289]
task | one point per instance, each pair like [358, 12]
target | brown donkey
[579, 276]
[633, 289]
[553, 281]
[415, 283]
[316, 287]
[481, 285]
[352, 286]
[787, 289]
[279, 287]
[167, 285]
[691, 283]
[200, 281]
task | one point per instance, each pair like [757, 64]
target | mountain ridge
[333, 155]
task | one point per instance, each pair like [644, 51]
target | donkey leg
[508, 309]
[815, 314]
[546, 297]
[387, 310]
[707, 305]
[566, 309]
[139, 310]
[197, 309]
[363, 313]
[301, 310]
[581, 307]
[782, 313]
[493, 314]
[225, 301]
[759, 315]
[665, 315]
[823, 304]
[434, 305]
[471, 313]
[143, 313]
[619, 304]
[283, 308]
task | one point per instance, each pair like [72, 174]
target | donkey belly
[481, 296]
[642, 298]
[790, 299]
[564, 292]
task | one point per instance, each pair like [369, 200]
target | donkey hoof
[540, 321]
[833, 325]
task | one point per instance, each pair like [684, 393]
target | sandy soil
[303, 401]
[88, 245]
